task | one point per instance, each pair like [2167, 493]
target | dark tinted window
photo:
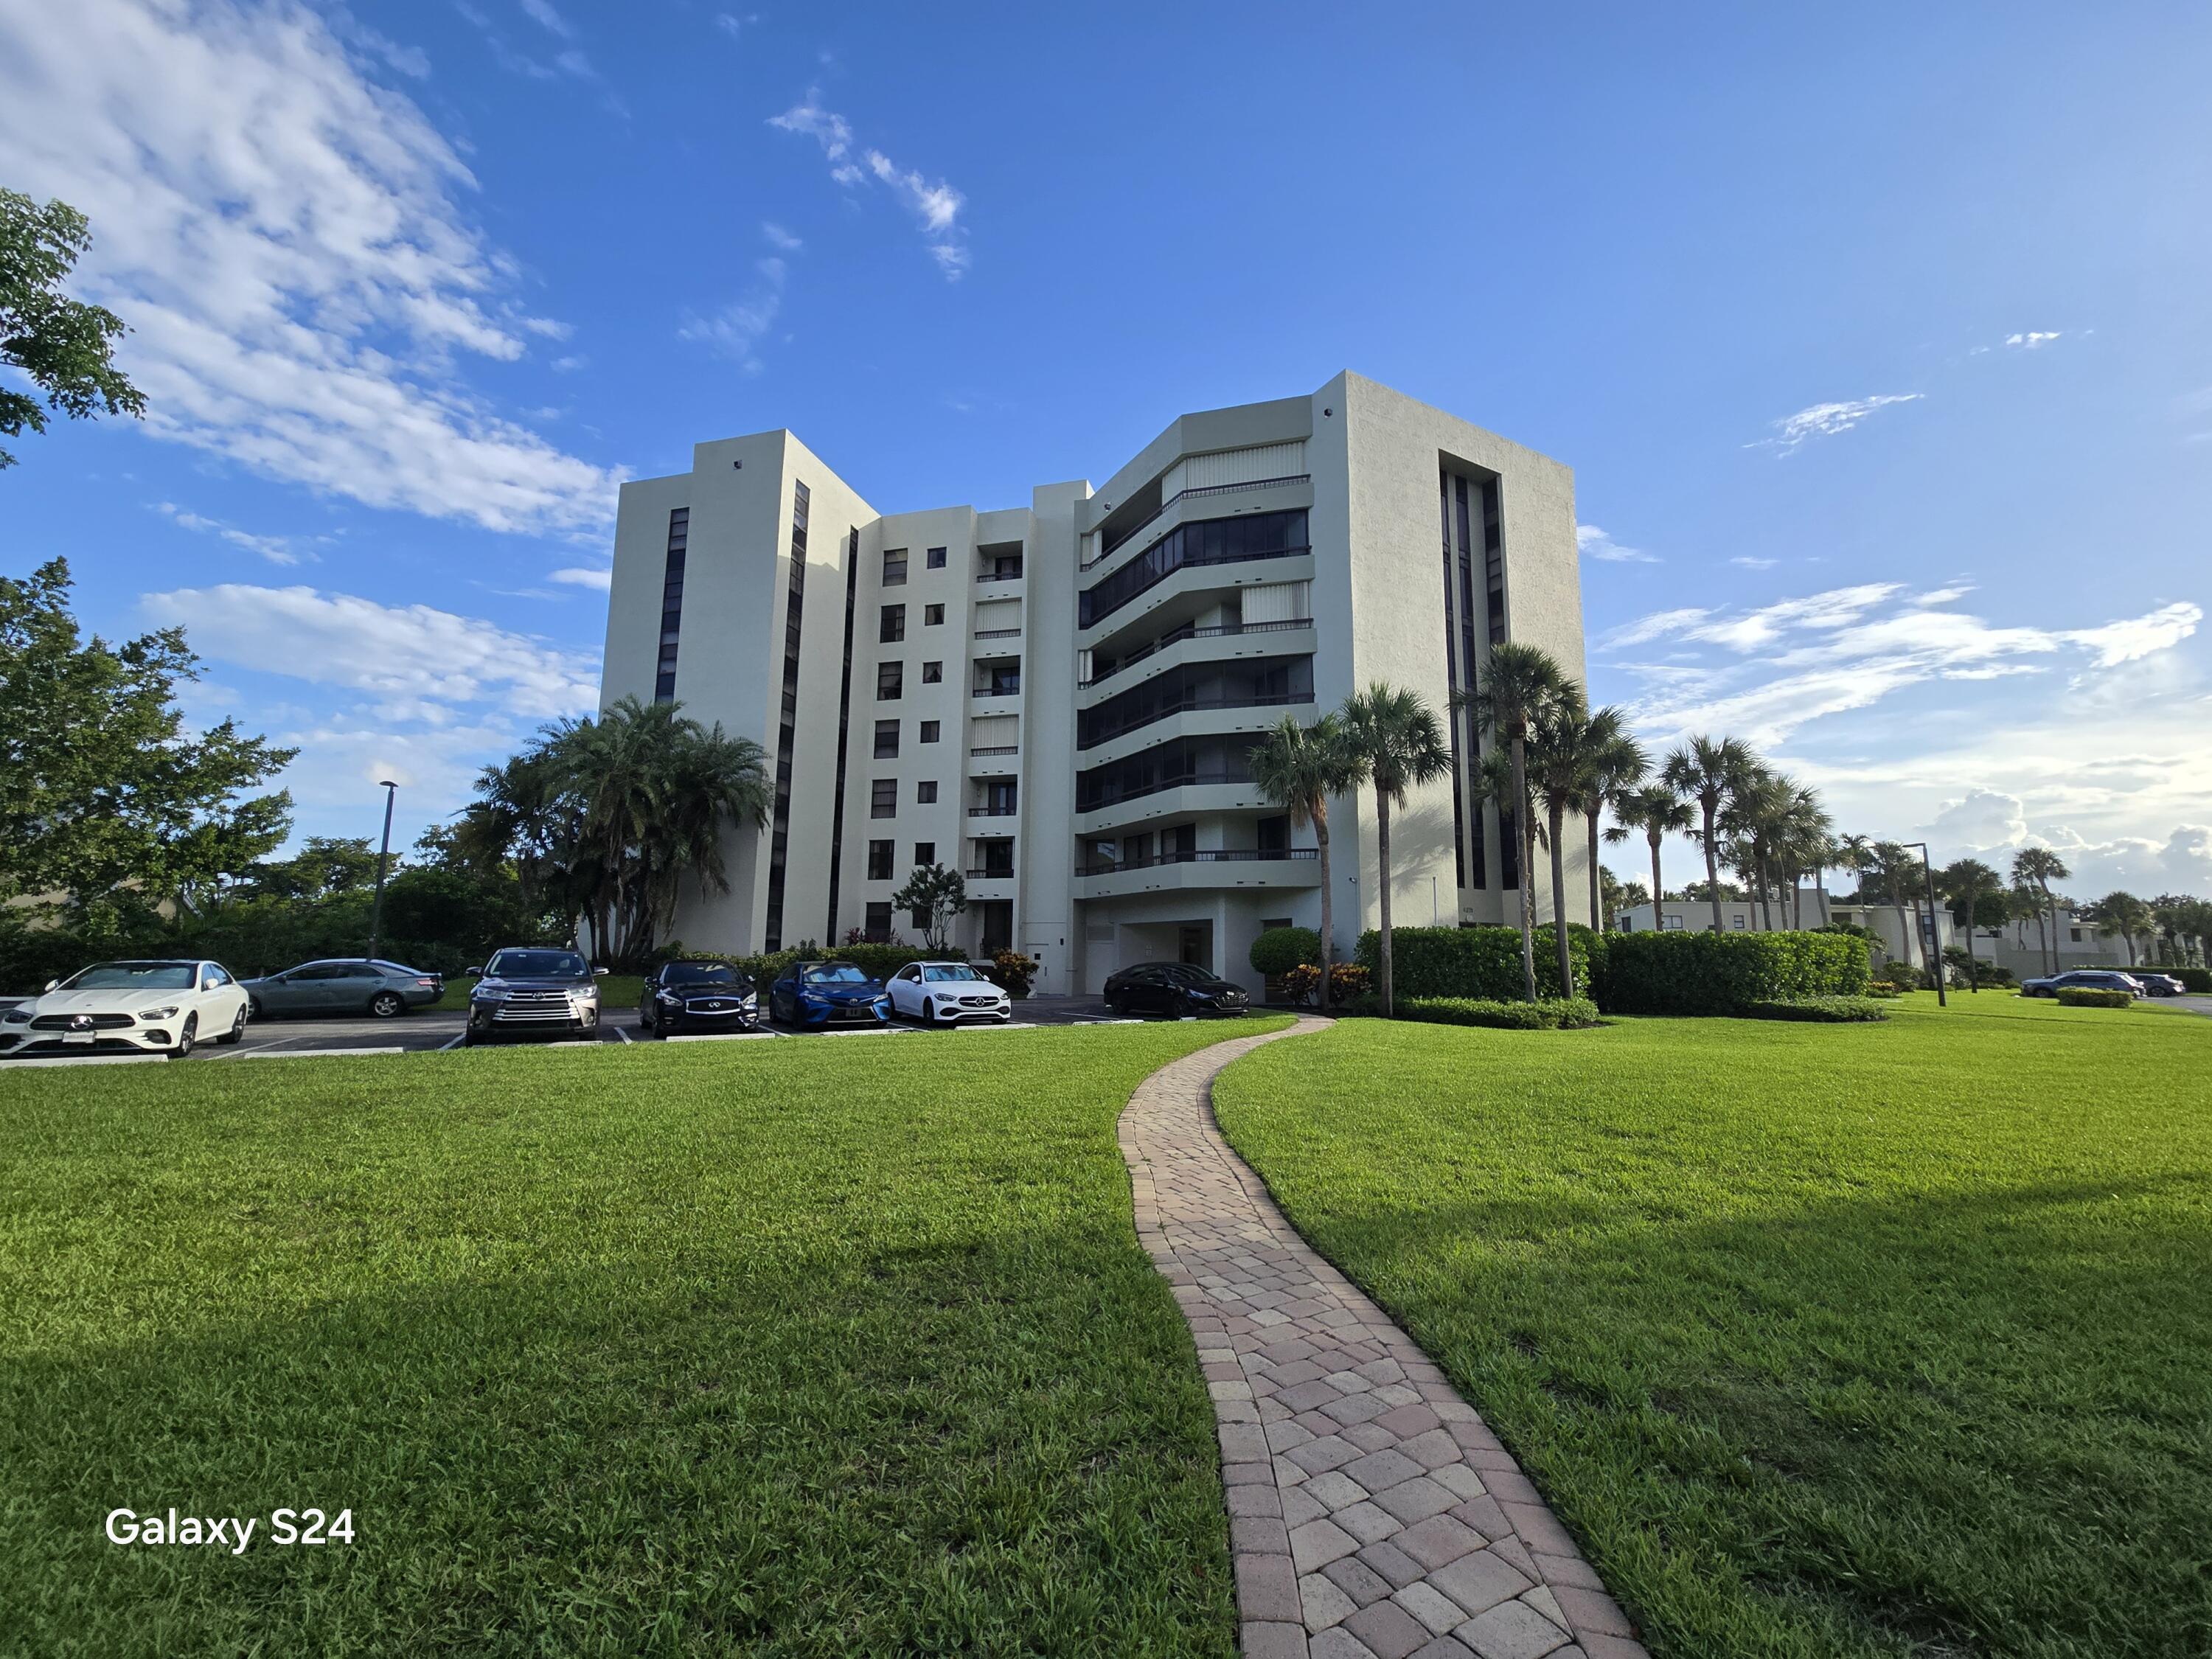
[699, 973]
[537, 965]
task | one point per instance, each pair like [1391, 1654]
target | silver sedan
[337, 989]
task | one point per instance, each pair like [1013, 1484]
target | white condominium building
[1057, 699]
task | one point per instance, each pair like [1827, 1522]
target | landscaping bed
[1870, 1339]
[770, 1347]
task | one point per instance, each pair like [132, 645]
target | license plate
[86, 1038]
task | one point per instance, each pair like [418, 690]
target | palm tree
[1299, 767]
[1617, 764]
[1394, 740]
[1658, 812]
[1708, 770]
[1804, 838]
[2038, 867]
[2125, 912]
[1755, 814]
[1898, 869]
[1514, 689]
[1572, 754]
[1966, 883]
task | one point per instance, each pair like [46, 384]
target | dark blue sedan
[816, 995]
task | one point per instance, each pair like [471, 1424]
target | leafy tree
[324, 865]
[2038, 867]
[1709, 770]
[1976, 895]
[1614, 765]
[1514, 690]
[1299, 767]
[1658, 812]
[1623, 896]
[1899, 873]
[1396, 741]
[62, 344]
[1571, 751]
[2122, 913]
[934, 893]
[108, 799]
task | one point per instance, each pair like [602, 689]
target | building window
[879, 860]
[925, 853]
[883, 798]
[892, 628]
[932, 672]
[891, 681]
[895, 567]
[1674, 924]
[925, 792]
[779, 842]
[886, 739]
[879, 927]
[671, 603]
[929, 730]
[2076, 933]
[1207, 541]
[1737, 922]
[932, 615]
[937, 558]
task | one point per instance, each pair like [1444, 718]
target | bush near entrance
[1708, 973]
[1278, 950]
[1558, 1013]
[2090, 996]
[1820, 1010]
[1484, 963]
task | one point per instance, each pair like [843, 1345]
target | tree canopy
[64, 345]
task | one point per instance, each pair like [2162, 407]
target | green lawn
[840, 1347]
[1827, 1339]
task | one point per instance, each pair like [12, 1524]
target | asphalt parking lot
[434, 1032]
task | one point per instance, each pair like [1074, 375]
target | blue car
[814, 996]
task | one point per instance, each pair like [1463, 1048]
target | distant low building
[1812, 909]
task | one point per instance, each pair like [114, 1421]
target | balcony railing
[998, 633]
[998, 749]
[1217, 855]
[1123, 539]
[1105, 799]
[998, 691]
[1089, 614]
[1005, 812]
[991, 872]
[1188, 705]
[999, 576]
[1178, 635]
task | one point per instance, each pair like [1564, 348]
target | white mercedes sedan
[141, 1008]
[946, 993]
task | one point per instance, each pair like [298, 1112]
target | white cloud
[1596, 543]
[1980, 821]
[541, 12]
[1750, 563]
[736, 330]
[733, 25]
[1825, 420]
[577, 577]
[278, 549]
[934, 202]
[1799, 660]
[778, 237]
[415, 652]
[2032, 340]
[567, 365]
[284, 238]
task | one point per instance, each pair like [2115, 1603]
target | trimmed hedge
[1556, 1014]
[2197, 981]
[1826, 1011]
[1483, 962]
[2091, 996]
[1884, 987]
[1707, 973]
[1278, 950]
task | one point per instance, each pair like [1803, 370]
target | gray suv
[383, 989]
[533, 990]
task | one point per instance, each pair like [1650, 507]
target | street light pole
[383, 861]
[1935, 931]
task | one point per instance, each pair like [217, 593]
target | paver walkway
[1371, 1511]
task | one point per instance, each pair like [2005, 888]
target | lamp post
[383, 861]
[1935, 936]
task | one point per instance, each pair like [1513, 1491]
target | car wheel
[231, 1038]
[187, 1038]
[254, 1004]
[387, 1005]
[929, 1011]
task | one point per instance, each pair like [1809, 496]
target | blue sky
[1876, 337]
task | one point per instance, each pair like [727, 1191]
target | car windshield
[537, 965]
[700, 973]
[1182, 973]
[832, 973]
[958, 971]
[134, 977]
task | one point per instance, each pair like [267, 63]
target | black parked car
[2093, 979]
[1174, 989]
[698, 997]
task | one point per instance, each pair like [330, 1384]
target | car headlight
[154, 1016]
[480, 994]
[17, 1017]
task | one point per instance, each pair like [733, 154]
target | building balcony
[1101, 739]
[996, 634]
[1191, 795]
[1007, 811]
[1184, 593]
[997, 760]
[1267, 639]
[1286, 867]
[1191, 723]
[1203, 501]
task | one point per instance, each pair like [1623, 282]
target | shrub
[1348, 982]
[2197, 981]
[1884, 987]
[1278, 950]
[1558, 1013]
[1828, 1011]
[1011, 972]
[1708, 973]
[2091, 996]
[1483, 962]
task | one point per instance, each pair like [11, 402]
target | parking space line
[722, 1037]
[80, 1060]
[453, 1042]
[621, 1033]
[311, 1054]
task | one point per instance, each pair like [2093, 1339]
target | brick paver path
[1370, 1510]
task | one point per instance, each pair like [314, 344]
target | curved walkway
[1373, 1514]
